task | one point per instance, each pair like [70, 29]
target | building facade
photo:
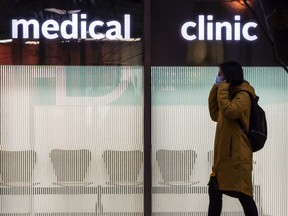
[104, 104]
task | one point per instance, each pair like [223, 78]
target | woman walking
[229, 106]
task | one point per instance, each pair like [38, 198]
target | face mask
[219, 79]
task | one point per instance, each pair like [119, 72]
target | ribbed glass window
[183, 138]
[71, 140]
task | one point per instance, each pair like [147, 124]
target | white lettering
[216, 30]
[73, 26]
[219, 27]
[69, 29]
[184, 31]
[50, 26]
[201, 22]
[83, 27]
[237, 27]
[92, 27]
[245, 31]
[114, 33]
[127, 26]
[210, 28]
[25, 25]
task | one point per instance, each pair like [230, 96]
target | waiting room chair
[17, 167]
[70, 166]
[176, 166]
[123, 167]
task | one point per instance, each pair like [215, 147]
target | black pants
[215, 200]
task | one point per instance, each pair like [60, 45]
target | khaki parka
[230, 107]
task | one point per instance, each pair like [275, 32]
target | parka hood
[245, 86]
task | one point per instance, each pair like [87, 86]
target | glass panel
[183, 137]
[71, 140]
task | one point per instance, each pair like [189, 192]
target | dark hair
[233, 72]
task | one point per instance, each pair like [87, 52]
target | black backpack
[257, 133]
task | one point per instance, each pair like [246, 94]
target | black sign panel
[204, 33]
[71, 32]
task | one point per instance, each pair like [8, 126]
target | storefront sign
[207, 29]
[74, 28]
[77, 27]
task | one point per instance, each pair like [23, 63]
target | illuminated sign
[78, 28]
[207, 29]
[75, 28]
